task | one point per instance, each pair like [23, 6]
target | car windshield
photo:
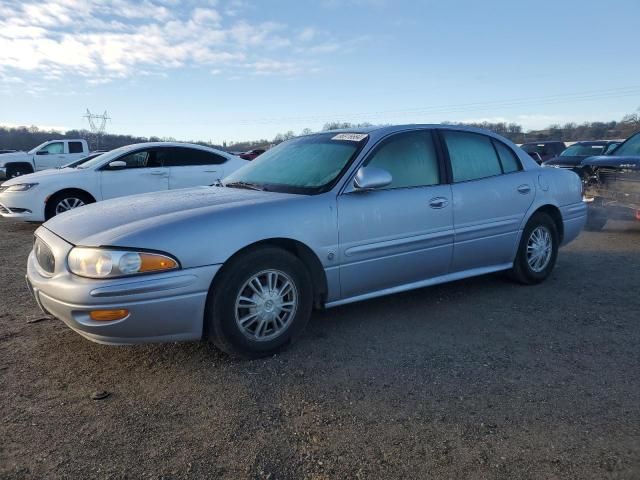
[100, 159]
[630, 147]
[81, 161]
[583, 150]
[306, 164]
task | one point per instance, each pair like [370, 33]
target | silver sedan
[318, 221]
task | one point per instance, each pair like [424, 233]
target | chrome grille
[44, 256]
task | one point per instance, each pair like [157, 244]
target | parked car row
[317, 221]
[134, 169]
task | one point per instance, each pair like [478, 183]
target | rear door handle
[438, 202]
[524, 189]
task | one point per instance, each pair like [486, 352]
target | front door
[402, 233]
[144, 172]
[50, 156]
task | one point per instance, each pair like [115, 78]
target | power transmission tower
[97, 125]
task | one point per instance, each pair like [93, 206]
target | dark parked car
[612, 184]
[573, 156]
[546, 150]
[252, 154]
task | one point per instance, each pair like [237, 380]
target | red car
[252, 154]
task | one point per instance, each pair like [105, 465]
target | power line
[97, 125]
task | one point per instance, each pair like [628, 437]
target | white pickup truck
[50, 154]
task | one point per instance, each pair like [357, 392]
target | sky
[232, 70]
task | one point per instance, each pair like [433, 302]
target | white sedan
[139, 168]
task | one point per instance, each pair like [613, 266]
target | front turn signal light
[108, 315]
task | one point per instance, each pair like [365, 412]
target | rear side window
[472, 156]
[75, 147]
[510, 162]
[410, 158]
[183, 157]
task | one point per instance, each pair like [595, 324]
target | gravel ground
[476, 379]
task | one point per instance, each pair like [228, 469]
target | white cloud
[106, 40]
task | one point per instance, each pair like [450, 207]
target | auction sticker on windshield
[350, 137]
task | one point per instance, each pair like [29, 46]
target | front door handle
[438, 202]
[524, 189]
[158, 172]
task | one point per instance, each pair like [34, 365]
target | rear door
[190, 167]
[144, 172]
[402, 233]
[75, 151]
[491, 195]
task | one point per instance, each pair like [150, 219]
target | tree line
[25, 138]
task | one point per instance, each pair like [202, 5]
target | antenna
[97, 125]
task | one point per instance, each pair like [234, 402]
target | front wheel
[538, 250]
[65, 201]
[260, 303]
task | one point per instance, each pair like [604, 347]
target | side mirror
[371, 178]
[42, 152]
[117, 165]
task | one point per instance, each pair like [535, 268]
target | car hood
[113, 222]
[613, 161]
[8, 157]
[41, 175]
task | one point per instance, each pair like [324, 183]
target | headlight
[20, 187]
[106, 263]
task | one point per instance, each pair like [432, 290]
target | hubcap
[68, 204]
[539, 249]
[265, 305]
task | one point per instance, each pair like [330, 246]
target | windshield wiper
[245, 185]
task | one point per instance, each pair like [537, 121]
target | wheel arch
[300, 250]
[27, 165]
[555, 214]
[69, 190]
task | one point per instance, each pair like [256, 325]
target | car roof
[135, 146]
[382, 131]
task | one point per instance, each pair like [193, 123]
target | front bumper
[25, 206]
[165, 307]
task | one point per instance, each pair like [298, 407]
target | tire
[265, 331]
[596, 219]
[526, 269]
[65, 201]
[14, 171]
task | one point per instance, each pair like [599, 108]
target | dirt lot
[476, 379]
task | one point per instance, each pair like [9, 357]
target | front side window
[307, 164]
[75, 147]
[55, 148]
[630, 147]
[410, 158]
[472, 156]
[143, 159]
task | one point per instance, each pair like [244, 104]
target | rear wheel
[259, 304]
[538, 250]
[65, 201]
